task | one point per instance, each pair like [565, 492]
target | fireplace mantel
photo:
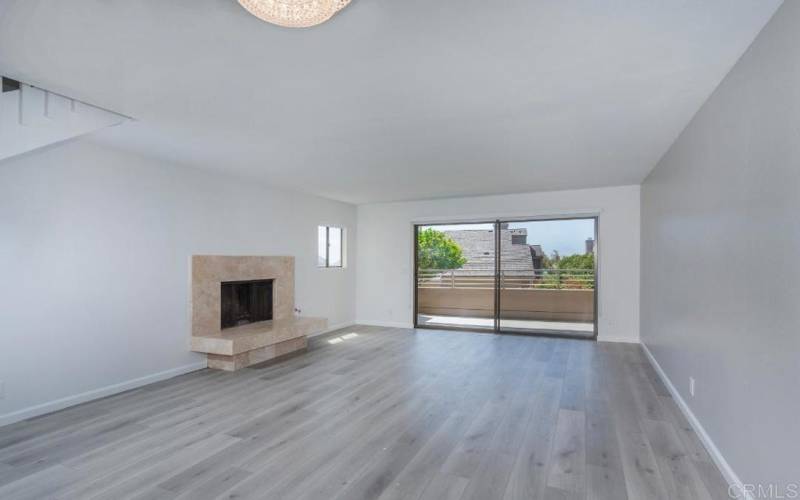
[234, 348]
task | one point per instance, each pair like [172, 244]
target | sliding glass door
[523, 276]
[547, 277]
[455, 278]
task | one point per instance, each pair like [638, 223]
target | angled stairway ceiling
[32, 118]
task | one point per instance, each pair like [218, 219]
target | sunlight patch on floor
[342, 338]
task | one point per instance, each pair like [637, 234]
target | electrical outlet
[691, 386]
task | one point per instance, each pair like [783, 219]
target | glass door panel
[547, 277]
[455, 276]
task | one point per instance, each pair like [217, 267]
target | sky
[565, 236]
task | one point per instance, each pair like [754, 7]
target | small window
[330, 246]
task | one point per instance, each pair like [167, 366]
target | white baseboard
[60, 404]
[387, 324]
[727, 472]
[333, 328]
[623, 340]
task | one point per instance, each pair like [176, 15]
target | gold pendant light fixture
[294, 13]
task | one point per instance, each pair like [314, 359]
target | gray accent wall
[720, 259]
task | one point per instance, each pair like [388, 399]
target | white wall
[721, 259]
[94, 259]
[384, 293]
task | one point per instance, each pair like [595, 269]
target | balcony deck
[555, 301]
[578, 329]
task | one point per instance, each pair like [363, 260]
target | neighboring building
[537, 254]
[477, 246]
[589, 246]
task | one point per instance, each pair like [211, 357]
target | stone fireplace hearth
[232, 324]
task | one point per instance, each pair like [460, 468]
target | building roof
[477, 246]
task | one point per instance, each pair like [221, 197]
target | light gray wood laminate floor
[386, 414]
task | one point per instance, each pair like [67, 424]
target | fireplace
[242, 309]
[245, 302]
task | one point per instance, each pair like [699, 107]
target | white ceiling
[392, 100]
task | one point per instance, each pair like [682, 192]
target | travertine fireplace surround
[241, 346]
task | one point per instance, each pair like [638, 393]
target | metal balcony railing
[546, 279]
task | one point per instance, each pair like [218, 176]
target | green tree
[577, 261]
[572, 271]
[551, 261]
[438, 251]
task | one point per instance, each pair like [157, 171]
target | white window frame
[327, 263]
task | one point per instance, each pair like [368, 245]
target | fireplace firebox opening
[245, 302]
